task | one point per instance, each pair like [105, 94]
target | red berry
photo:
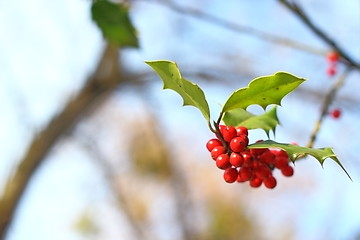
[238, 144]
[281, 162]
[267, 157]
[336, 113]
[240, 179]
[228, 133]
[332, 56]
[241, 130]
[270, 182]
[213, 143]
[331, 70]
[236, 159]
[221, 128]
[245, 174]
[222, 161]
[230, 175]
[217, 151]
[257, 151]
[255, 182]
[287, 171]
[248, 157]
[279, 153]
[262, 172]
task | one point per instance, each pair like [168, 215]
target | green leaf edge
[303, 151]
[206, 111]
[228, 102]
[251, 117]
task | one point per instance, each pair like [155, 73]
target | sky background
[48, 48]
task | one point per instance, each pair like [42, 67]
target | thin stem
[326, 104]
[299, 12]
[220, 136]
[211, 128]
[220, 117]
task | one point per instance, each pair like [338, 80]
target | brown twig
[326, 104]
[104, 81]
[299, 12]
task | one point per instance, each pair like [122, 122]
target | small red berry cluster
[241, 164]
[332, 58]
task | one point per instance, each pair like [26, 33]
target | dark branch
[325, 106]
[299, 12]
[101, 84]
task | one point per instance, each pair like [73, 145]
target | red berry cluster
[332, 58]
[241, 164]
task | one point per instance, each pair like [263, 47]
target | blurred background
[119, 158]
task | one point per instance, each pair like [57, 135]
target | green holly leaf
[295, 152]
[115, 24]
[190, 92]
[263, 91]
[240, 117]
[235, 117]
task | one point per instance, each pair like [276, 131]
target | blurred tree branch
[346, 59]
[299, 12]
[293, 7]
[105, 80]
[241, 28]
[150, 156]
[326, 104]
[108, 77]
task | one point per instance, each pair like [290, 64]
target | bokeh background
[135, 166]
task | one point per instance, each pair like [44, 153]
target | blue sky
[48, 48]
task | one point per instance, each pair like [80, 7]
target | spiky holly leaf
[295, 152]
[114, 22]
[240, 117]
[191, 93]
[263, 91]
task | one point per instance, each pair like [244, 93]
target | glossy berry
[230, 175]
[228, 133]
[222, 161]
[212, 143]
[236, 159]
[242, 131]
[248, 158]
[270, 182]
[287, 171]
[238, 144]
[336, 113]
[221, 128]
[217, 151]
[255, 182]
[241, 164]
